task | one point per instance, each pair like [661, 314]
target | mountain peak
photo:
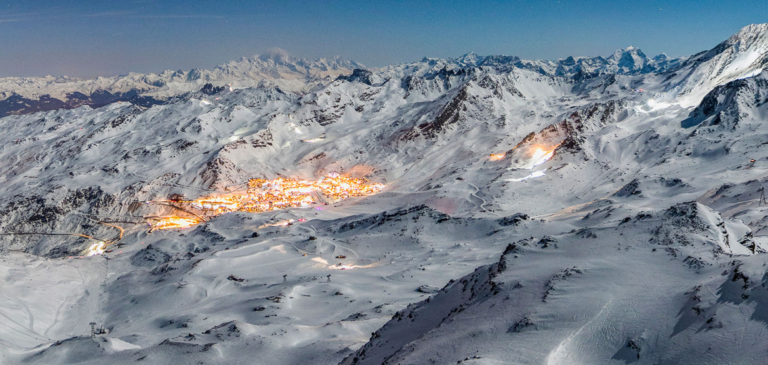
[623, 52]
[274, 54]
[743, 54]
[750, 33]
[753, 37]
[470, 59]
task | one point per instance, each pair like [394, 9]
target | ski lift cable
[23, 333]
[137, 204]
[108, 220]
[183, 210]
[48, 234]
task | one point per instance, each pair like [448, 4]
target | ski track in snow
[561, 353]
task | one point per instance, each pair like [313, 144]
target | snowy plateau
[578, 211]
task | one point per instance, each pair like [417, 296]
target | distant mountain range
[23, 95]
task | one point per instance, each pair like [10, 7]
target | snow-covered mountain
[23, 95]
[579, 211]
[628, 61]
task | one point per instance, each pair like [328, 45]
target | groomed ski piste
[579, 211]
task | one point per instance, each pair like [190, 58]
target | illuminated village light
[268, 195]
[541, 156]
[312, 140]
[97, 248]
[174, 222]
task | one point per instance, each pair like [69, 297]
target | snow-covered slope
[607, 293]
[732, 104]
[740, 56]
[626, 212]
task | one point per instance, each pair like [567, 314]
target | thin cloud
[180, 16]
[25, 17]
[18, 17]
[108, 14]
[133, 14]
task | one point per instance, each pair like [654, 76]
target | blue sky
[91, 38]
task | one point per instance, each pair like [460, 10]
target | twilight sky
[89, 38]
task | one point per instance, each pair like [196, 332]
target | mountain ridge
[22, 95]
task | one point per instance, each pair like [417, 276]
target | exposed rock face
[728, 106]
